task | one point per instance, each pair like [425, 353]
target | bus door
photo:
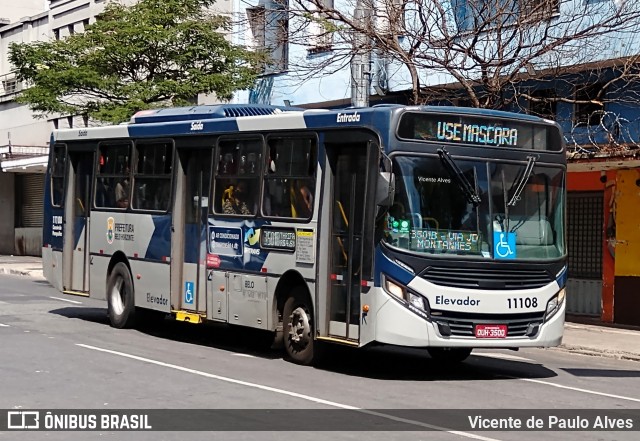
[190, 226]
[347, 176]
[75, 263]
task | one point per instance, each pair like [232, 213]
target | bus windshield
[478, 207]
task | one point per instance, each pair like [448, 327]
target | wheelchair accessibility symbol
[504, 245]
[188, 292]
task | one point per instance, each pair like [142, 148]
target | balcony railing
[9, 85]
[9, 151]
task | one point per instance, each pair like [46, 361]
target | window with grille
[584, 228]
[589, 108]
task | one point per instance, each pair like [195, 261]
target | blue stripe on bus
[160, 242]
[390, 268]
[247, 260]
[561, 279]
[183, 128]
[194, 240]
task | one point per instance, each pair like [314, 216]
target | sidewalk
[588, 337]
[21, 266]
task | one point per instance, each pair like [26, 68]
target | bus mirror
[386, 189]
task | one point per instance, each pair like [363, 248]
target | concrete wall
[28, 241]
[7, 214]
[13, 10]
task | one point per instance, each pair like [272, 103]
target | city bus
[429, 227]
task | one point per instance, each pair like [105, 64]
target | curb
[582, 350]
[16, 272]
[13, 272]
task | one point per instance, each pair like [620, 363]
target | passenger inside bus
[122, 193]
[301, 199]
[235, 200]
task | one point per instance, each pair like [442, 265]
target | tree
[479, 51]
[154, 53]
[497, 54]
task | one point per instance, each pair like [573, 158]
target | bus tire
[450, 355]
[298, 328]
[120, 297]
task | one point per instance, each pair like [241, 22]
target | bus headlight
[394, 289]
[555, 303]
[411, 300]
[417, 301]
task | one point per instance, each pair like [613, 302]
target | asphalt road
[59, 352]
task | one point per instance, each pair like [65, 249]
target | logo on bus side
[197, 125]
[110, 223]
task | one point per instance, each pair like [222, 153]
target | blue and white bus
[433, 227]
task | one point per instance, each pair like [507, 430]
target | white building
[24, 139]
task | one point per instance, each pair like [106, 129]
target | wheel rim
[117, 296]
[299, 328]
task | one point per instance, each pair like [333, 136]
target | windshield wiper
[462, 181]
[523, 181]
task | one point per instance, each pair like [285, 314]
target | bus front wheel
[449, 355]
[298, 328]
[120, 300]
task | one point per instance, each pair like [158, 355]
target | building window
[539, 9]
[320, 35]
[256, 16]
[486, 14]
[589, 106]
[543, 103]
[289, 182]
[10, 86]
[269, 26]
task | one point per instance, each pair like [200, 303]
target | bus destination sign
[473, 130]
[477, 134]
[278, 238]
[439, 240]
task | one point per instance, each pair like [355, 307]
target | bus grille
[463, 326]
[487, 278]
[239, 111]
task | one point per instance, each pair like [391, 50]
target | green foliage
[155, 53]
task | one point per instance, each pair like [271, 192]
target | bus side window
[237, 178]
[289, 187]
[112, 189]
[152, 176]
[58, 170]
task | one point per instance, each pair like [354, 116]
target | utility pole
[361, 61]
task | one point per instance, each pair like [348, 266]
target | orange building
[603, 211]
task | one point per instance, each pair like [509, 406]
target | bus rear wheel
[120, 299]
[450, 355]
[298, 328]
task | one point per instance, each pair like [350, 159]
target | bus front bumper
[397, 325]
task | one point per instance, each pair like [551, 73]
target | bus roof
[229, 118]
[207, 112]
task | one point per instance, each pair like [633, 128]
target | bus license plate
[491, 331]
